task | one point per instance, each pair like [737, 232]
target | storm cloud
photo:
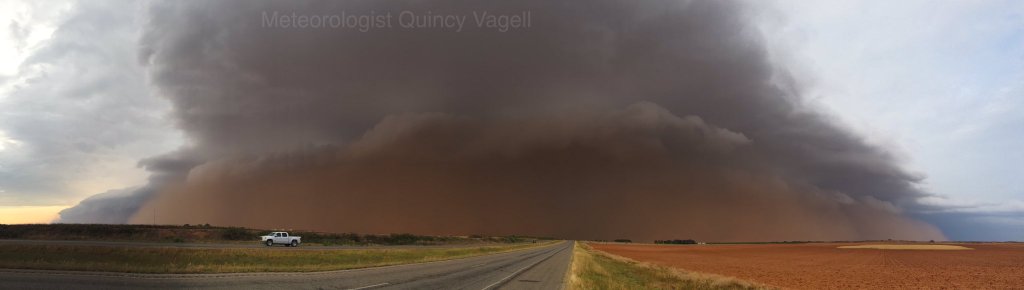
[604, 119]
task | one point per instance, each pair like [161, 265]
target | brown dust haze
[604, 119]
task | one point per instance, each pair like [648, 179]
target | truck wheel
[295, 243]
[270, 243]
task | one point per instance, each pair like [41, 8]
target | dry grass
[228, 260]
[214, 234]
[907, 247]
[592, 269]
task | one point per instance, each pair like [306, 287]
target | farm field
[825, 266]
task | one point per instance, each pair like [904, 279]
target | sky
[937, 85]
[934, 81]
[76, 115]
[941, 83]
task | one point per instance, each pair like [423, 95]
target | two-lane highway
[536, 268]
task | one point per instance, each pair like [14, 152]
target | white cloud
[938, 82]
[24, 26]
[6, 142]
[79, 108]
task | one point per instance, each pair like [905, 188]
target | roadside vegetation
[206, 233]
[166, 260]
[592, 269]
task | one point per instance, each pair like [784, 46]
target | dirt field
[925, 247]
[824, 266]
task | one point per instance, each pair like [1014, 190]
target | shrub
[237, 234]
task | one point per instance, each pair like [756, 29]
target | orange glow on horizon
[29, 214]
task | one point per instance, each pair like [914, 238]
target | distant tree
[623, 241]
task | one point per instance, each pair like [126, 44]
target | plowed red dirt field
[823, 266]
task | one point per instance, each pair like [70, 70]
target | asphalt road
[536, 268]
[252, 244]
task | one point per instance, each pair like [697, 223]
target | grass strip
[194, 261]
[592, 269]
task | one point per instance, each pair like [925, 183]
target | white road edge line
[517, 272]
[370, 286]
[509, 276]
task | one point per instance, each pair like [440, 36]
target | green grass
[593, 269]
[193, 260]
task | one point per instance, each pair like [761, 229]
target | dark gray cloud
[606, 119]
[979, 226]
[973, 221]
[463, 107]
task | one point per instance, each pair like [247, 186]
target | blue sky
[938, 83]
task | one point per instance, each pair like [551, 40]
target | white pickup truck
[281, 238]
